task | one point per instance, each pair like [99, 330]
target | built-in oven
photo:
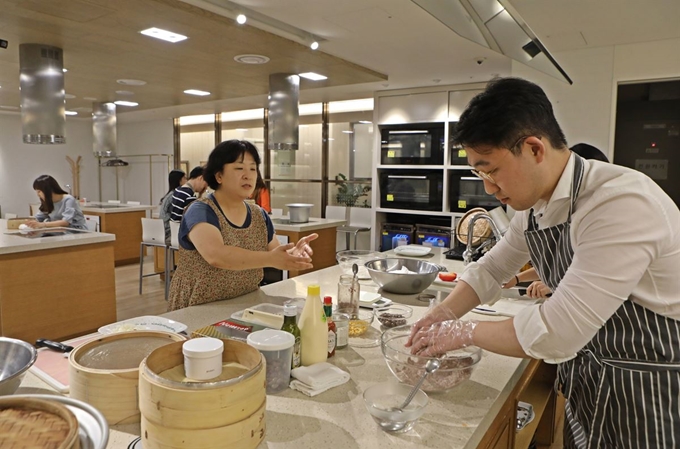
[458, 154]
[412, 144]
[466, 191]
[412, 189]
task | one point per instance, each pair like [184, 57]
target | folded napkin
[315, 379]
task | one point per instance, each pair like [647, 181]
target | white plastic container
[203, 358]
[277, 348]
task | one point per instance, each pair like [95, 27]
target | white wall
[144, 180]
[586, 110]
[21, 163]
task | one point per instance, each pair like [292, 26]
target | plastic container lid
[271, 340]
[203, 347]
[314, 290]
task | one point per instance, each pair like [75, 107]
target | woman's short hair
[47, 185]
[227, 152]
[587, 151]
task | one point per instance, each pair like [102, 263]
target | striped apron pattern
[623, 387]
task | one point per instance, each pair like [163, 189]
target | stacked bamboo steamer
[202, 415]
[36, 423]
[111, 386]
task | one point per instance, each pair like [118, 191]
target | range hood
[495, 24]
[43, 103]
[284, 113]
[104, 133]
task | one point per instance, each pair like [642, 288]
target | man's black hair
[507, 110]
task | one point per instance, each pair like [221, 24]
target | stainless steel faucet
[469, 252]
[69, 189]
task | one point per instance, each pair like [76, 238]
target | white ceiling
[399, 39]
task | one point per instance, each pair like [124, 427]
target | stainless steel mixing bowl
[383, 273]
[16, 357]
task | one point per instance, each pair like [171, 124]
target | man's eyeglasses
[486, 176]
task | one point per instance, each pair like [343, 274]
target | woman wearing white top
[57, 207]
[604, 239]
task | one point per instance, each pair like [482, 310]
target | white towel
[315, 379]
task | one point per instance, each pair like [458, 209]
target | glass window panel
[252, 135]
[283, 193]
[303, 163]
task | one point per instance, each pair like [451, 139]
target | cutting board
[52, 366]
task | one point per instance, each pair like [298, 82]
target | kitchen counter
[468, 416]
[111, 208]
[323, 246]
[314, 224]
[56, 287]
[125, 221]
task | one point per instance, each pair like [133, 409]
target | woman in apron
[603, 239]
[225, 241]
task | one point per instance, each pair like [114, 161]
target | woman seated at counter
[225, 241]
[58, 209]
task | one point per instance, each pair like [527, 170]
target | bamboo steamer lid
[109, 379]
[228, 412]
[481, 231]
[27, 423]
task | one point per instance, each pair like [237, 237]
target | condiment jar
[277, 348]
[341, 321]
[203, 358]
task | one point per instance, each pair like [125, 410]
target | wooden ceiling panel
[102, 43]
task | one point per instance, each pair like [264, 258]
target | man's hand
[436, 315]
[439, 338]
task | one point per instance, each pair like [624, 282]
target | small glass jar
[348, 295]
[342, 328]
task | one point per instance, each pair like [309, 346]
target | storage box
[395, 233]
[13, 223]
[434, 236]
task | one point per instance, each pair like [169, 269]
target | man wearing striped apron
[604, 239]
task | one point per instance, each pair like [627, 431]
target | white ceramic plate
[92, 427]
[144, 323]
[413, 250]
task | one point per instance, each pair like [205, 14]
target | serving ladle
[431, 366]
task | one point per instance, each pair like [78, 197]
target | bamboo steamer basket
[202, 415]
[50, 425]
[482, 229]
[114, 392]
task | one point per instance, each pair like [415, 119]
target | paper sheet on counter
[505, 306]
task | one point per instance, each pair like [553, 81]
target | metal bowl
[16, 357]
[422, 276]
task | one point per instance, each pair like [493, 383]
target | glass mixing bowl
[456, 366]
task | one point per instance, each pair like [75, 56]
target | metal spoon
[431, 366]
[355, 270]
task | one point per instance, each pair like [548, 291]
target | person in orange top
[261, 194]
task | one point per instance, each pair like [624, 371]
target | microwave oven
[412, 144]
[411, 189]
[466, 191]
[458, 154]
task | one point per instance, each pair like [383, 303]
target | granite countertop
[283, 224]
[113, 208]
[456, 419]
[13, 241]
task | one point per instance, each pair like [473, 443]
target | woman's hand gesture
[302, 247]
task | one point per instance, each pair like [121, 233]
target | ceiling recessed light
[124, 92]
[314, 45]
[64, 70]
[365, 122]
[241, 19]
[200, 93]
[348, 132]
[71, 113]
[251, 59]
[69, 96]
[126, 103]
[313, 76]
[164, 35]
[89, 98]
[129, 82]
